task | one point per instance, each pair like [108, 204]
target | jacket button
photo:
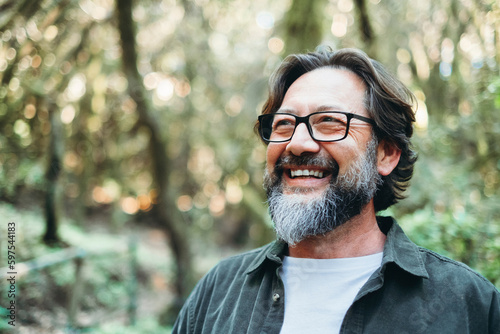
[276, 297]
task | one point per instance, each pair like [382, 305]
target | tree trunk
[303, 26]
[365, 28]
[56, 150]
[167, 212]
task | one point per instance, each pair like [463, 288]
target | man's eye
[330, 119]
[283, 123]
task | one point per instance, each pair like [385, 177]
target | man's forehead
[331, 73]
[323, 89]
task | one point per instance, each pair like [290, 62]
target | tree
[303, 26]
[166, 211]
[56, 151]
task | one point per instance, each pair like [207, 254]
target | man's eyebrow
[331, 107]
[286, 110]
[325, 107]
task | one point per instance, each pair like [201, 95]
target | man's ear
[388, 156]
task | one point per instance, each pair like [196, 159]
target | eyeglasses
[325, 126]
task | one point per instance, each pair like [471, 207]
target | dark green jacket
[414, 291]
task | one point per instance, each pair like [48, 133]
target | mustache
[290, 160]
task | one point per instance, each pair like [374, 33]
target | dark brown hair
[387, 101]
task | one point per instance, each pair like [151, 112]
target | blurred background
[128, 160]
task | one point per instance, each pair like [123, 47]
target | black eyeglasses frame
[305, 120]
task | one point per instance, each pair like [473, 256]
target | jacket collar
[398, 249]
[272, 253]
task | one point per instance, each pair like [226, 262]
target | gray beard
[297, 216]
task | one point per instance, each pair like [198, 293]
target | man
[337, 128]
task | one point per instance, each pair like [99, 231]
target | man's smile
[311, 172]
[305, 177]
[305, 173]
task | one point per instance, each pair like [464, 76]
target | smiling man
[324, 171]
[337, 127]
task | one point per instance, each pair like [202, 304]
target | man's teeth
[305, 172]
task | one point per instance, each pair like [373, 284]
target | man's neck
[359, 236]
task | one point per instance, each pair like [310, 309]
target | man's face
[319, 90]
[340, 170]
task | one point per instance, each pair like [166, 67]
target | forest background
[131, 123]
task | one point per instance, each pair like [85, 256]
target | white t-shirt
[318, 292]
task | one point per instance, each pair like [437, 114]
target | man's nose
[302, 142]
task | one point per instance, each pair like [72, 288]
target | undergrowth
[43, 295]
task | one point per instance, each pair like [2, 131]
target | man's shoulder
[437, 269]
[227, 288]
[454, 274]
[231, 272]
[438, 274]
[242, 263]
